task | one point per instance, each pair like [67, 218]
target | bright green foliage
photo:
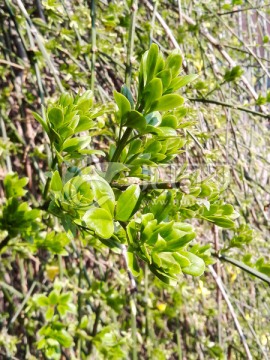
[68, 117]
[121, 309]
[17, 218]
[155, 231]
[54, 334]
[53, 242]
[100, 221]
[127, 202]
[233, 74]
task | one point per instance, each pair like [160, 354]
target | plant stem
[208, 101]
[133, 327]
[178, 338]
[4, 242]
[121, 145]
[244, 267]
[94, 39]
[151, 186]
[233, 314]
[24, 302]
[40, 43]
[131, 37]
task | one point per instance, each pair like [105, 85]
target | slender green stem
[153, 22]
[24, 302]
[131, 37]
[40, 43]
[61, 270]
[4, 134]
[244, 267]
[133, 327]
[94, 41]
[48, 182]
[121, 145]
[11, 289]
[178, 338]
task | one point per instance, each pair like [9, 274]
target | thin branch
[24, 302]
[244, 267]
[40, 44]
[94, 41]
[12, 64]
[241, 10]
[131, 37]
[208, 101]
[150, 186]
[231, 309]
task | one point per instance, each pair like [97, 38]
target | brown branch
[216, 102]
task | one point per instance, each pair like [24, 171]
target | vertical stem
[178, 338]
[40, 43]
[133, 327]
[79, 344]
[218, 293]
[231, 309]
[131, 36]
[4, 134]
[153, 22]
[94, 38]
[180, 13]
[121, 145]
[132, 304]
[61, 271]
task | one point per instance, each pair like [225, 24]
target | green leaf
[85, 123]
[115, 169]
[66, 99]
[103, 193]
[84, 102]
[166, 77]
[14, 186]
[127, 93]
[152, 92]
[56, 182]
[265, 269]
[151, 61]
[181, 81]
[233, 74]
[123, 105]
[136, 120]
[49, 313]
[168, 102]
[56, 117]
[42, 300]
[227, 209]
[53, 298]
[197, 265]
[135, 147]
[174, 63]
[76, 143]
[101, 221]
[221, 221]
[132, 263]
[127, 202]
[183, 261]
[42, 122]
[169, 121]
[64, 298]
[167, 279]
[63, 338]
